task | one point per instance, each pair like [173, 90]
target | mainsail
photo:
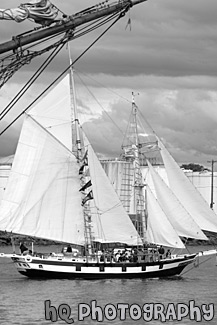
[186, 192]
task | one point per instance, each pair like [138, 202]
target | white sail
[178, 216]
[112, 223]
[185, 191]
[159, 229]
[42, 198]
[53, 112]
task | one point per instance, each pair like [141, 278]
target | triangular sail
[180, 219]
[111, 221]
[159, 229]
[185, 191]
[54, 112]
[43, 180]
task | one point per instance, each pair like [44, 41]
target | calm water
[22, 299]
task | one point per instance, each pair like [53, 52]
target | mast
[212, 176]
[75, 120]
[138, 199]
[68, 24]
[133, 186]
[136, 163]
[74, 110]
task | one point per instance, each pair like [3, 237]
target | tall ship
[57, 190]
[56, 193]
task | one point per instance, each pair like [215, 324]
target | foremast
[82, 161]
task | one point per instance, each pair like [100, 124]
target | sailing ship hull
[35, 267]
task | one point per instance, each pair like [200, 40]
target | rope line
[31, 81]
[104, 110]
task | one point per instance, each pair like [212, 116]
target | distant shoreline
[5, 240]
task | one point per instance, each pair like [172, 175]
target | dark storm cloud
[169, 57]
[168, 38]
[185, 120]
[110, 130]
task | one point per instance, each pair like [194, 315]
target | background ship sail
[187, 193]
[159, 229]
[178, 216]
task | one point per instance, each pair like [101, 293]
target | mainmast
[136, 206]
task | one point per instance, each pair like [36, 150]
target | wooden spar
[73, 22]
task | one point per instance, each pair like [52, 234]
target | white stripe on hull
[31, 265]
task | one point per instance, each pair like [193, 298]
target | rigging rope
[109, 89]
[21, 58]
[119, 129]
[120, 15]
[31, 81]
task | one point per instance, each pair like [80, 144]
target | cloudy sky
[168, 57]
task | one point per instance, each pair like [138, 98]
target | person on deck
[69, 249]
[117, 255]
[161, 252]
[23, 249]
[168, 254]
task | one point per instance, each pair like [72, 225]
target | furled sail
[41, 11]
[159, 229]
[185, 191]
[178, 216]
[43, 180]
[111, 222]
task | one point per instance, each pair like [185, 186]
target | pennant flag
[84, 159]
[88, 197]
[81, 169]
[129, 24]
[88, 184]
[85, 163]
